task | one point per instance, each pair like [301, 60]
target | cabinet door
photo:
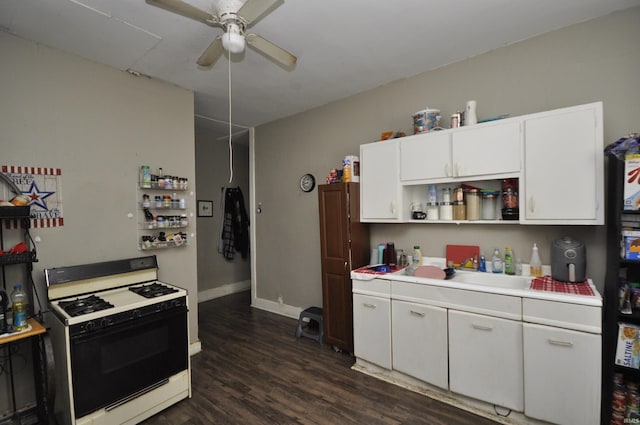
[419, 335]
[379, 181]
[487, 149]
[485, 359]
[425, 156]
[333, 206]
[372, 329]
[564, 174]
[562, 375]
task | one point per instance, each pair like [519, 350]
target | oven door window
[111, 364]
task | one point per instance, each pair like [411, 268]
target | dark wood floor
[252, 370]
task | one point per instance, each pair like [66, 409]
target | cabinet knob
[393, 207]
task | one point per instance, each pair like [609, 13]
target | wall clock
[307, 182]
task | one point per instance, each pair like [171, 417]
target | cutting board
[459, 253]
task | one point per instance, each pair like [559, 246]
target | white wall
[591, 61]
[216, 275]
[98, 125]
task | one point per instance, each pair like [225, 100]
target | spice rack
[162, 214]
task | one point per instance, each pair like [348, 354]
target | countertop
[496, 284]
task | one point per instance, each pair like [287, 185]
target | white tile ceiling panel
[71, 26]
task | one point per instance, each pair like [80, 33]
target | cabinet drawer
[372, 329]
[485, 359]
[376, 287]
[563, 315]
[496, 305]
[562, 375]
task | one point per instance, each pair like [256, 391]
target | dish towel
[547, 283]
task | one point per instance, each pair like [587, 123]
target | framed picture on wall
[205, 208]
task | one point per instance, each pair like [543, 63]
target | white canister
[489, 206]
[446, 211]
[470, 116]
[432, 211]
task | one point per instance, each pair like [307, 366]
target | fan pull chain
[230, 126]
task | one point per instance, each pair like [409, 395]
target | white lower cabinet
[372, 329]
[562, 375]
[419, 335]
[485, 359]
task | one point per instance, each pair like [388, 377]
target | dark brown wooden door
[340, 252]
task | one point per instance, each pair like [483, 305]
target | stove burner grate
[86, 305]
[152, 290]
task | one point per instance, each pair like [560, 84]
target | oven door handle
[91, 335]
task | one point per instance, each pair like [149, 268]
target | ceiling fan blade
[212, 53]
[185, 9]
[271, 50]
[252, 9]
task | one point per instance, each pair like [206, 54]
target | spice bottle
[417, 256]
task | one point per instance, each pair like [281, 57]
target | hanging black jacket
[235, 234]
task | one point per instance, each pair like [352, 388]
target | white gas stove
[120, 340]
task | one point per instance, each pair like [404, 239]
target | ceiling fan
[234, 19]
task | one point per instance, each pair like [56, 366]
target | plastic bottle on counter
[482, 266]
[19, 308]
[509, 267]
[417, 256]
[496, 261]
[381, 247]
[535, 263]
[519, 267]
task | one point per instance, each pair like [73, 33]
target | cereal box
[631, 244]
[628, 350]
[632, 182]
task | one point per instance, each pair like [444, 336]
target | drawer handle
[417, 313]
[367, 305]
[481, 327]
[561, 343]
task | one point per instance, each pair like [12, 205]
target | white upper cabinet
[425, 156]
[487, 149]
[482, 150]
[379, 182]
[563, 167]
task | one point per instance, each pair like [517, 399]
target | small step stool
[314, 314]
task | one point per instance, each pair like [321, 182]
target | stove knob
[89, 326]
[106, 322]
[136, 314]
[164, 305]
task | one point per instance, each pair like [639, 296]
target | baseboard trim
[275, 307]
[221, 291]
[195, 347]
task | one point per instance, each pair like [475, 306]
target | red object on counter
[547, 283]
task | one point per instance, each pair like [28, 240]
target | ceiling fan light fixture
[232, 40]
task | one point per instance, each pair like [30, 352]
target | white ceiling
[343, 46]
